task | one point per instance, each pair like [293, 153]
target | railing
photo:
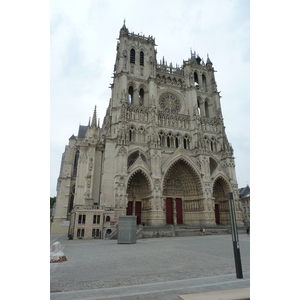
[143, 37]
[169, 70]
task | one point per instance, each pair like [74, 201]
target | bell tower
[162, 153]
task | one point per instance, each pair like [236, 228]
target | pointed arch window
[76, 163]
[196, 82]
[71, 200]
[206, 110]
[131, 134]
[186, 142]
[141, 97]
[132, 56]
[130, 95]
[168, 141]
[204, 83]
[198, 104]
[141, 58]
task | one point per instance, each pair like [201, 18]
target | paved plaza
[154, 268]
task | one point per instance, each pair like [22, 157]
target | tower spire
[94, 120]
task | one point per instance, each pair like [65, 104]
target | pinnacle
[94, 120]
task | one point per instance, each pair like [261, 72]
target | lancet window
[141, 97]
[196, 82]
[132, 56]
[204, 83]
[130, 95]
[141, 58]
[76, 163]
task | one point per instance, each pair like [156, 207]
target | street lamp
[235, 238]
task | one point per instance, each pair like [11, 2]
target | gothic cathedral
[162, 153]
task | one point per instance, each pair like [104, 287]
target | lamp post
[235, 238]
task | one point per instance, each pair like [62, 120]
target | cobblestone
[98, 267]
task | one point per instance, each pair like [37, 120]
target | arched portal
[139, 196]
[220, 192]
[183, 194]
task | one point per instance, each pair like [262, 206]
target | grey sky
[83, 49]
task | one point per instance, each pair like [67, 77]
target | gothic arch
[133, 84]
[143, 98]
[138, 185]
[132, 54]
[220, 189]
[221, 181]
[181, 180]
[134, 155]
[208, 108]
[182, 176]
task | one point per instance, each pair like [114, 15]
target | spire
[94, 120]
[124, 26]
[124, 29]
[208, 60]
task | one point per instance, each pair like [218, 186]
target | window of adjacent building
[93, 232]
[80, 232]
[107, 219]
[96, 219]
[141, 58]
[81, 219]
[97, 232]
[132, 56]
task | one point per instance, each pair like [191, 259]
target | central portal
[181, 186]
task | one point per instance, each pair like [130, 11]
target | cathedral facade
[162, 153]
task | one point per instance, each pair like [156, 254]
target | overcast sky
[83, 50]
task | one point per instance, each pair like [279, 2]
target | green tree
[52, 201]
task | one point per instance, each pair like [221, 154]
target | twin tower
[161, 154]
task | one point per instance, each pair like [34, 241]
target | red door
[138, 211]
[169, 211]
[129, 209]
[217, 215]
[179, 210]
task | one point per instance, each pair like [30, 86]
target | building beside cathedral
[161, 154]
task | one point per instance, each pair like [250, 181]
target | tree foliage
[52, 201]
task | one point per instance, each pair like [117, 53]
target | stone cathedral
[161, 154]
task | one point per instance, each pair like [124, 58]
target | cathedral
[161, 155]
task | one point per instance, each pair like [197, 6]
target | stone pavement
[156, 268]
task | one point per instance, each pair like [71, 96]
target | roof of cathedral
[244, 192]
[82, 131]
[72, 137]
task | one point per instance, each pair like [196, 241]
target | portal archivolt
[139, 195]
[181, 180]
